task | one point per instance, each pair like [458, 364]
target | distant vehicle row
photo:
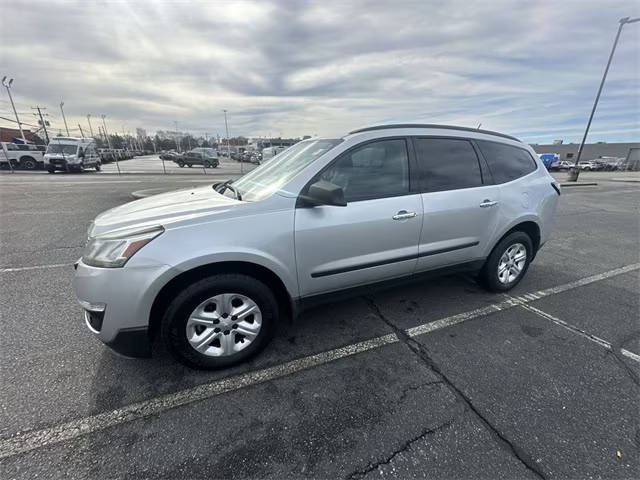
[31, 157]
[589, 165]
[206, 157]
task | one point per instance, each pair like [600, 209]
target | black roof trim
[432, 125]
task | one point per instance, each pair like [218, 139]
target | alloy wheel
[512, 263]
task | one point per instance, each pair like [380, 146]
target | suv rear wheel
[507, 263]
[220, 321]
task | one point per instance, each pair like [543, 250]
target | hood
[163, 209]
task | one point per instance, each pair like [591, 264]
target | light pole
[575, 171]
[226, 126]
[64, 118]
[7, 85]
[90, 127]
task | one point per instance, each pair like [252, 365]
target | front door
[375, 237]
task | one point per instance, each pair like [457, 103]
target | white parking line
[515, 301]
[588, 336]
[35, 267]
[25, 442]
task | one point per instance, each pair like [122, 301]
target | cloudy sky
[293, 68]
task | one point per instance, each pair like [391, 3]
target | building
[569, 151]
[8, 134]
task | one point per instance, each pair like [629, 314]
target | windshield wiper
[221, 187]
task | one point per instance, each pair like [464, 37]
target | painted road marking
[582, 333]
[36, 267]
[28, 441]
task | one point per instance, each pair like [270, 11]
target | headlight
[114, 249]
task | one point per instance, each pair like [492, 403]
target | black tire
[51, 170]
[207, 164]
[489, 274]
[28, 163]
[98, 166]
[189, 165]
[173, 326]
[181, 164]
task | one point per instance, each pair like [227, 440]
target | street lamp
[575, 171]
[226, 126]
[7, 85]
[64, 118]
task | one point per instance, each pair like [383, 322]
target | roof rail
[431, 125]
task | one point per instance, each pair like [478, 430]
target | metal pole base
[572, 175]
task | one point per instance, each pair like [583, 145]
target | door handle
[487, 203]
[403, 215]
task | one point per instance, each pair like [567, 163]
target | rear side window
[506, 162]
[448, 164]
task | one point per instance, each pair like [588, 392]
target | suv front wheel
[507, 263]
[220, 321]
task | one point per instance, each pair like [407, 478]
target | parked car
[106, 155]
[192, 158]
[169, 155]
[561, 165]
[211, 271]
[26, 156]
[71, 154]
[588, 165]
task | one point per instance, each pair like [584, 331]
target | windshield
[272, 175]
[68, 149]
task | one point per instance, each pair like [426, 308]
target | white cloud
[526, 68]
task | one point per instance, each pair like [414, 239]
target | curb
[578, 184]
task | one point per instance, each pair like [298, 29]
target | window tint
[506, 162]
[448, 164]
[375, 170]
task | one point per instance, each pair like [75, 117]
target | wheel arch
[528, 226]
[267, 276]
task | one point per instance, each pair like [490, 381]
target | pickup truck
[25, 156]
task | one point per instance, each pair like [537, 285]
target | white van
[71, 154]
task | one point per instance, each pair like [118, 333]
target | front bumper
[117, 303]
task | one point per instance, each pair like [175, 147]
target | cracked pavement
[508, 394]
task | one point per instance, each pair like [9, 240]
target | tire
[207, 164]
[98, 166]
[28, 163]
[189, 165]
[489, 277]
[51, 170]
[181, 164]
[175, 323]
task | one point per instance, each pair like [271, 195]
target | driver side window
[374, 170]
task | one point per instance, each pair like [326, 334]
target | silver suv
[211, 270]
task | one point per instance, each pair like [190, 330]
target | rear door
[375, 236]
[460, 202]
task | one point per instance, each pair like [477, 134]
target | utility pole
[81, 132]
[7, 85]
[176, 138]
[575, 171]
[65, 119]
[90, 127]
[44, 125]
[106, 134]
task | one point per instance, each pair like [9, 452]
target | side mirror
[325, 193]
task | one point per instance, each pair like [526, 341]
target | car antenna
[478, 127]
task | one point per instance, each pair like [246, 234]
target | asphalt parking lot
[438, 379]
